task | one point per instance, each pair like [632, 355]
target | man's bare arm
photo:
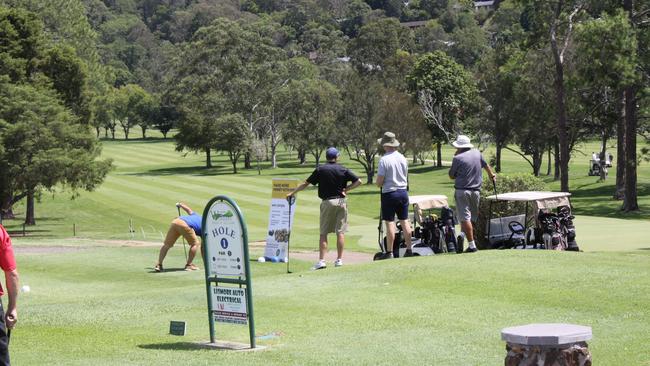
[11, 280]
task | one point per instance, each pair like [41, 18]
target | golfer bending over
[332, 179]
[189, 226]
[7, 322]
[392, 177]
[466, 171]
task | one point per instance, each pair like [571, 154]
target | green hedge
[505, 183]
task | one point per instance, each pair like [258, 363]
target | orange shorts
[177, 228]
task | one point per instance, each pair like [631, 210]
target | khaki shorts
[177, 228]
[333, 216]
[467, 204]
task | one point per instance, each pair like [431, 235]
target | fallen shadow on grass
[151, 270]
[426, 168]
[187, 170]
[603, 207]
[176, 346]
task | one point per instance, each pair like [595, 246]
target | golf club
[290, 200]
[380, 233]
[178, 206]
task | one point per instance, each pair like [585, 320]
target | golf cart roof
[421, 203]
[429, 201]
[542, 199]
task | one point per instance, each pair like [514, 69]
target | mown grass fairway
[94, 300]
[99, 305]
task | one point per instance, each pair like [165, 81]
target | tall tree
[557, 19]
[445, 92]
[44, 147]
[233, 137]
[360, 122]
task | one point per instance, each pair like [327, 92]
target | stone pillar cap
[553, 334]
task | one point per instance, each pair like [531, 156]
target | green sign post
[226, 262]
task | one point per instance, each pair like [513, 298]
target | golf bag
[429, 233]
[447, 222]
[568, 229]
[551, 231]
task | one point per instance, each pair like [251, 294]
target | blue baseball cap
[331, 153]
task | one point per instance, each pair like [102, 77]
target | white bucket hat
[462, 142]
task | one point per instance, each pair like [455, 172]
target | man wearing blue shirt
[189, 226]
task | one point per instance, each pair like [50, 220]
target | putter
[178, 206]
[291, 200]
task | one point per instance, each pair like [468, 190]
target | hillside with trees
[244, 77]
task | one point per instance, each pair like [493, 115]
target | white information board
[229, 305]
[224, 241]
[280, 218]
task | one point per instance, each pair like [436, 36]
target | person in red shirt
[7, 319]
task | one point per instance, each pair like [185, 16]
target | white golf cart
[546, 222]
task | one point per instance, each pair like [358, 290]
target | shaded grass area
[100, 306]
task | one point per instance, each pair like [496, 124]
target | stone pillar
[547, 345]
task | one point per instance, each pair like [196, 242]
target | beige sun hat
[462, 142]
[388, 140]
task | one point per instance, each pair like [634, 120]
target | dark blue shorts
[395, 203]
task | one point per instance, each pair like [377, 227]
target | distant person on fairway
[466, 172]
[189, 226]
[392, 177]
[332, 179]
[7, 319]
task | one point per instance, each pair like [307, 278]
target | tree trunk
[548, 166]
[537, 162]
[439, 154]
[498, 158]
[164, 134]
[247, 160]
[556, 158]
[620, 151]
[562, 127]
[144, 132]
[208, 159]
[126, 133]
[98, 129]
[274, 158]
[302, 156]
[113, 133]
[630, 200]
[29, 213]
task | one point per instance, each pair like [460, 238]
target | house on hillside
[486, 5]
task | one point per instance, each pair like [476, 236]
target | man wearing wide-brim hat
[392, 177]
[466, 172]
